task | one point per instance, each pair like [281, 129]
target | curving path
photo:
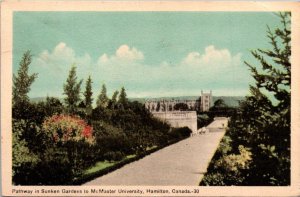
[183, 163]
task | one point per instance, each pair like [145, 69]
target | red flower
[87, 131]
[70, 127]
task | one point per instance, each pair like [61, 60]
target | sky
[151, 54]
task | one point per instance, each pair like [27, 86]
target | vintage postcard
[150, 98]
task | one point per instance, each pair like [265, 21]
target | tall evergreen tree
[72, 91]
[88, 94]
[268, 118]
[22, 81]
[259, 134]
[123, 101]
[114, 98]
[275, 76]
[102, 100]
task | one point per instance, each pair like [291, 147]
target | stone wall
[179, 118]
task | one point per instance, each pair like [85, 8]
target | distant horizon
[42, 97]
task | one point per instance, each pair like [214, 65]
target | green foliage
[275, 77]
[113, 101]
[236, 162]
[24, 110]
[226, 167]
[21, 155]
[179, 133]
[88, 100]
[220, 103]
[35, 154]
[41, 110]
[114, 156]
[102, 98]
[204, 118]
[28, 130]
[220, 108]
[53, 106]
[262, 123]
[181, 107]
[72, 91]
[123, 101]
[23, 81]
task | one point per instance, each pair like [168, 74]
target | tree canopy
[88, 100]
[72, 90]
[102, 100]
[181, 107]
[23, 80]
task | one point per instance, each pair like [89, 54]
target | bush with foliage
[22, 156]
[260, 130]
[180, 133]
[70, 144]
[64, 128]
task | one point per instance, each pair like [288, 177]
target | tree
[113, 101]
[181, 107]
[221, 109]
[123, 101]
[102, 98]
[275, 77]
[268, 121]
[262, 124]
[88, 95]
[220, 103]
[72, 90]
[22, 81]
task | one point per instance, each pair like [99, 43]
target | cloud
[53, 68]
[60, 57]
[123, 54]
[195, 71]
[212, 57]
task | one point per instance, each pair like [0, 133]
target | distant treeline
[231, 101]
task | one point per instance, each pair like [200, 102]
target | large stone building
[164, 110]
[162, 105]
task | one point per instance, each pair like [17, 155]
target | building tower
[206, 101]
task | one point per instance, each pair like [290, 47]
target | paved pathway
[183, 163]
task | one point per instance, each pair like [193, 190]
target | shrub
[228, 168]
[179, 133]
[72, 137]
[113, 156]
[23, 160]
[64, 128]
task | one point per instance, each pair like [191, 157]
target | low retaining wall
[179, 118]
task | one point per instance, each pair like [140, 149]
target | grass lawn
[100, 165]
[130, 156]
[150, 148]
